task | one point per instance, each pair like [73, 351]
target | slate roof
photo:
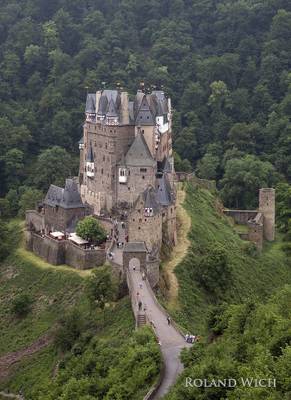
[164, 194]
[144, 109]
[91, 103]
[139, 154]
[109, 103]
[67, 197]
[150, 199]
[148, 106]
[137, 247]
[166, 165]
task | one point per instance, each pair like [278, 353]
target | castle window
[102, 171]
[128, 188]
[143, 177]
[122, 175]
[139, 228]
[103, 158]
[143, 170]
[105, 145]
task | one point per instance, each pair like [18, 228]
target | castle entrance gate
[134, 254]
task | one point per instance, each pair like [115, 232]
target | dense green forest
[226, 65]
[253, 340]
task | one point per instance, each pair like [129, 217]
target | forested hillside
[226, 65]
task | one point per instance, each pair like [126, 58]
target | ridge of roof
[67, 197]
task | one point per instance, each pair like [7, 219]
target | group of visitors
[191, 338]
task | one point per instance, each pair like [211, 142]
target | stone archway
[134, 263]
[134, 250]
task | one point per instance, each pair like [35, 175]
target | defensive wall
[58, 252]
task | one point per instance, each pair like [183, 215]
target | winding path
[171, 341]
[9, 359]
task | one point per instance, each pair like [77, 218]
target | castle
[126, 162]
[126, 181]
[126, 174]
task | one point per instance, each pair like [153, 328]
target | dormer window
[122, 175]
[148, 212]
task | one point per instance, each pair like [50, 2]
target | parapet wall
[153, 271]
[34, 220]
[49, 249]
[241, 216]
[57, 252]
[80, 258]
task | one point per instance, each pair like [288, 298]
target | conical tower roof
[139, 153]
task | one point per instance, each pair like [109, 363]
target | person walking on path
[169, 320]
[139, 305]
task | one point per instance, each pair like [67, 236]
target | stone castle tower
[126, 163]
[125, 147]
[267, 208]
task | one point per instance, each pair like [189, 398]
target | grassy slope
[54, 290]
[38, 369]
[252, 277]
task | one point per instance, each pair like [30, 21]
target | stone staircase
[141, 320]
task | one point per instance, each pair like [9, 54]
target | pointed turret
[139, 153]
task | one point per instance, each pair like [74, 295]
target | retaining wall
[59, 252]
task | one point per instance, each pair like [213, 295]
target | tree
[6, 241]
[53, 166]
[100, 288]
[90, 229]
[70, 328]
[213, 272]
[21, 305]
[29, 199]
[243, 178]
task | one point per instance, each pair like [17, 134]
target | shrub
[69, 330]
[21, 305]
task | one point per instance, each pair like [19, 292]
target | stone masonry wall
[108, 144]
[34, 220]
[153, 272]
[241, 216]
[145, 229]
[60, 219]
[51, 250]
[80, 258]
[64, 252]
[267, 207]
[137, 181]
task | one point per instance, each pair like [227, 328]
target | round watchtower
[267, 208]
